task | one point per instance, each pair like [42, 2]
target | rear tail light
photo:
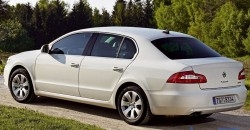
[241, 75]
[187, 77]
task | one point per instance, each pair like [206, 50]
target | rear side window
[106, 45]
[184, 48]
[127, 50]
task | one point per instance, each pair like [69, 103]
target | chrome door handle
[117, 69]
[74, 65]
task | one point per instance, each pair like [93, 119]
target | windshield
[184, 48]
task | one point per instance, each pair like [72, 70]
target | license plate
[224, 99]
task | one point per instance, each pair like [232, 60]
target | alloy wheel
[131, 105]
[20, 86]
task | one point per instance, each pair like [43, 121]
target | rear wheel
[21, 87]
[133, 106]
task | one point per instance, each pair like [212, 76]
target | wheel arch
[129, 83]
[18, 67]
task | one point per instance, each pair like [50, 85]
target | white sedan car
[138, 71]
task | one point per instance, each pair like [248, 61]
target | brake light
[242, 75]
[187, 77]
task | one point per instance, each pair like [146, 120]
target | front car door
[57, 72]
[102, 69]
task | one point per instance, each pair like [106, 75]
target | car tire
[133, 106]
[21, 87]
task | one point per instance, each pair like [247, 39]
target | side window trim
[90, 44]
[119, 49]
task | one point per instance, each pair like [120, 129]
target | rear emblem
[224, 74]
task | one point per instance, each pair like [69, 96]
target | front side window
[106, 45]
[71, 45]
[184, 48]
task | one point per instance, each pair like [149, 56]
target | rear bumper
[185, 102]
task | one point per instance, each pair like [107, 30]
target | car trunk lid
[220, 72]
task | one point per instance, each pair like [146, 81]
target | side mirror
[45, 48]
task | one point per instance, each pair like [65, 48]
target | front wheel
[133, 106]
[21, 87]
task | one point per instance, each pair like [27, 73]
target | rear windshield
[184, 48]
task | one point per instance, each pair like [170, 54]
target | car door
[57, 71]
[100, 72]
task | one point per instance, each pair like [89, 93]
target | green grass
[22, 119]
[247, 104]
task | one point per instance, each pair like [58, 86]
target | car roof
[147, 33]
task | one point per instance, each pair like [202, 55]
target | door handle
[117, 69]
[74, 65]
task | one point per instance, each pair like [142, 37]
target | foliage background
[224, 25]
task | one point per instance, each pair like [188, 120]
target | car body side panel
[97, 77]
[154, 80]
[55, 74]
[26, 60]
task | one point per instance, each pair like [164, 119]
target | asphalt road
[109, 119]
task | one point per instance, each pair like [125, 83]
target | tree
[97, 18]
[157, 3]
[246, 42]
[129, 14]
[106, 18]
[24, 12]
[148, 19]
[242, 4]
[80, 17]
[43, 4]
[13, 37]
[4, 10]
[55, 20]
[226, 31]
[201, 14]
[173, 17]
[48, 21]
[138, 13]
[118, 14]
[38, 27]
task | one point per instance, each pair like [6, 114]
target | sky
[99, 4]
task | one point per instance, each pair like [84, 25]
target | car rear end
[210, 83]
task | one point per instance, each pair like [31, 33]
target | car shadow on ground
[157, 121]
[79, 107]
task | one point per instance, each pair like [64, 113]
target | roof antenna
[166, 31]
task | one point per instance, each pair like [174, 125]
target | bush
[13, 37]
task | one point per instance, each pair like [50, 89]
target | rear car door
[101, 70]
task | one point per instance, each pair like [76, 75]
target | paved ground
[1, 80]
[109, 119]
